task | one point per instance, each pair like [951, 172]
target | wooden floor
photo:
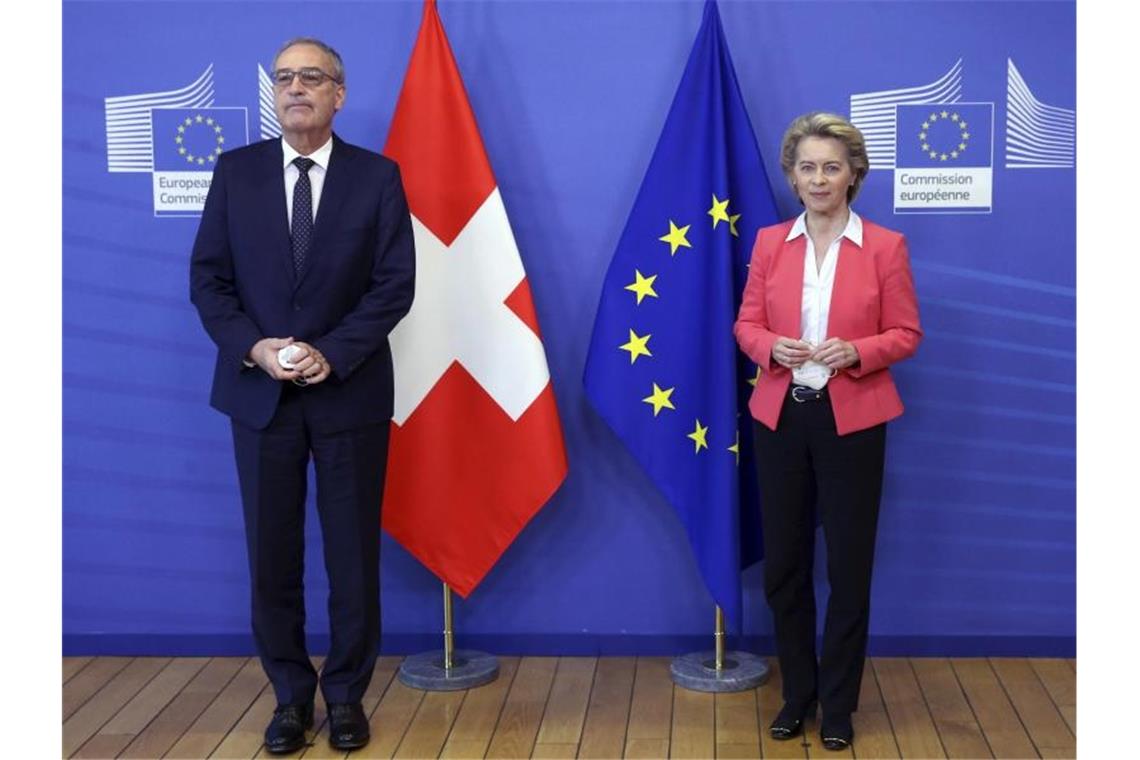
[553, 707]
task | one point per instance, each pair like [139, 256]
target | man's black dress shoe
[836, 732]
[286, 732]
[348, 726]
[789, 723]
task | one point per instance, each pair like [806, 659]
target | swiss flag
[476, 446]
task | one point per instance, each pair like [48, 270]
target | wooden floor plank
[769, 700]
[576, 707]
[72, 665]
[114, 735]
[390, 720]
[870, 697]
[1069, 713]
[430, 726]
[1038, 713]
[555, 751]
[737, 732]
[566, 706]
[471, 733]
[89, 681]
[651, 706]
[1061, 682]
[646, 749]
[522, 711]
[382, 675]
[913, 727]
[874, 737]
[102, 706]
[211, 727]
[992, 709]
[607, 716]
[160, 735]
[247, 735]
[957, 727]
[694, 724]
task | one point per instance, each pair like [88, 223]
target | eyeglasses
[310, 77]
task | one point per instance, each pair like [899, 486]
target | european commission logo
[941, 148]
[176, 136]
[944, 160]
[186, 146]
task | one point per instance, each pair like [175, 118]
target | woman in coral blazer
[828, 307]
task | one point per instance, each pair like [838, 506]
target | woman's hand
[790, 353]
[835, 354]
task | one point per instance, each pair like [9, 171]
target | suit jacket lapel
[792, 283]
[328, 210]
[846, 284]
[272, 184]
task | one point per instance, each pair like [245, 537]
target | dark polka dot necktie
[302, 227]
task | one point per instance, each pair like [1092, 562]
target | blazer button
[296, 307]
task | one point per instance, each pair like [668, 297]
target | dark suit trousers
[272, 468]
[804, 463]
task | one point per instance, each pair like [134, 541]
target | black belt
[802, 393]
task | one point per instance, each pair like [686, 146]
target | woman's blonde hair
[820, 124]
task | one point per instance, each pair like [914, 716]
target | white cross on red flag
[476, 446]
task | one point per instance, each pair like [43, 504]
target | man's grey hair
[337, 63]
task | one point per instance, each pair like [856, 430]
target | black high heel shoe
[789, 723]
[836, 732]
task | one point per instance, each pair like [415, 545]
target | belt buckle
[795, 393]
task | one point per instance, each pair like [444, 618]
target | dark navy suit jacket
[357, 282]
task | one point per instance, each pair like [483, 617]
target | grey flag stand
[451, 669]
[718, 671]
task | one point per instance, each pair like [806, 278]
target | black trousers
[801, 465]
[272, 469]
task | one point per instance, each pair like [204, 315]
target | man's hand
[264, 354]
[836, 354]
[310, 364]
[790, 353]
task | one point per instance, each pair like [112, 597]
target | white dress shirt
[816, 306]
[316, 179]
[316, 174]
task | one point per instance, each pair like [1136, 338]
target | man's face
[301, 108]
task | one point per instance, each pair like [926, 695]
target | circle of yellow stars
[208, 122]
[934, 118]
[643, 286]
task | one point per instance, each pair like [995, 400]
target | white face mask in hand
[286, 358]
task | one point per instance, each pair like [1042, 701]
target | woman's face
[822, 174]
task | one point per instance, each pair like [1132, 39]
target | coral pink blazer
[873, 306]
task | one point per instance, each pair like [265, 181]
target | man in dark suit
[307, 242]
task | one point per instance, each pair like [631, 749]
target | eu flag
[663, 369]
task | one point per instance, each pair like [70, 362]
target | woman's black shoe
[789, 723]
[836, 732]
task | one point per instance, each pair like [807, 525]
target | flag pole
[718, 637]
[448, 636]
[720, 670]
[452, 669]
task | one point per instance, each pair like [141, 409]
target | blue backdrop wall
[976, 550]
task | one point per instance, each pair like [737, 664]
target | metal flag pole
[719, 671]
[453, 669]
[718, 636]
[448, 636]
